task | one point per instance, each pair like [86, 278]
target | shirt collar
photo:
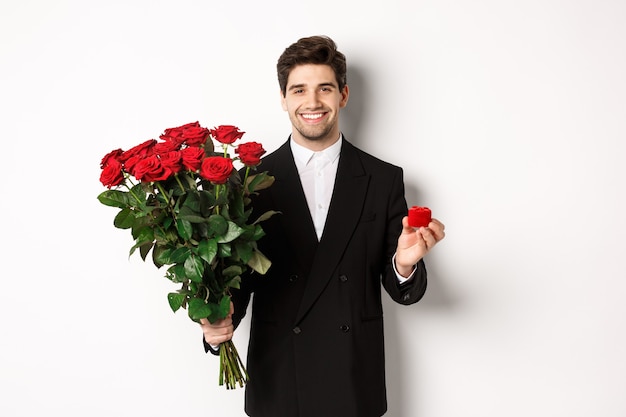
[303, 155]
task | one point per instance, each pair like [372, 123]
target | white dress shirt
[317, 171]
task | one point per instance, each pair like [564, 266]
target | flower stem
[232, 369]
[180, 184]
[245, 180]
[167, 197]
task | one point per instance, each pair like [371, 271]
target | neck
[316, 145]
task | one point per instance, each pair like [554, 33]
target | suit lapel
[289, 196]
[343, 216]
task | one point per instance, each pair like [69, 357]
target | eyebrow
[296, 86]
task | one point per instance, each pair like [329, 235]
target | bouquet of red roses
[186, 204]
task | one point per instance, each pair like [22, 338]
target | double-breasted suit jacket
[316, 331]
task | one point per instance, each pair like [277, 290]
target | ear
[345, 93]
[283, 101]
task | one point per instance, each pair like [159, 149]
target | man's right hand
[220, 331]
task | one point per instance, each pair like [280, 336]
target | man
[316, 338]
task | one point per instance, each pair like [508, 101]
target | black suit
[316, 340]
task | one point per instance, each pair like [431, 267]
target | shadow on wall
[352, 116]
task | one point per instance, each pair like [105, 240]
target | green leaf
[224, 250]
[266, 216]
[114, 198]
[146, 237]
[237, 206]
[144, 250]
[258, 232]
[192, 201]
[160, 255]
[194, 268]
[224, 307]
[235, 282]
[244, 250]
[140, 224]
[176, 273]
[180, 255]
[231, 234]
[232, 271]
[259, 182]
[184, 228]
[140, 192]
[175, 300]
[124, 219]
[198, 309]
[217, 225]
[259, 262]
[207, 250]
[190, 215]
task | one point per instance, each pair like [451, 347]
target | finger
[428, 237]
[405, 225]
[217, 338]
[437, 228]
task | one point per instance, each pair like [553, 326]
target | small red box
[419, 216]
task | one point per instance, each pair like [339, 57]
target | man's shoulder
[368, 159]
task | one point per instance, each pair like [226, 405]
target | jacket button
[293, 277]
[345, 328]
[343, 278]
[297, 330]
[406, 297]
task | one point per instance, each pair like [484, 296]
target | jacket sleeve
[413, 290]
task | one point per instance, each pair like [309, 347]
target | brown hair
[319, 50]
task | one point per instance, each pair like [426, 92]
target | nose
[313, 100]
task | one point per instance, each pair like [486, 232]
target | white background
[508, 117]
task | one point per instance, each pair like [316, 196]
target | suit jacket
[316, 344]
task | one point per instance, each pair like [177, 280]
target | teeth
[312, 116]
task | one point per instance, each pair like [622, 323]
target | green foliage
[199, 231]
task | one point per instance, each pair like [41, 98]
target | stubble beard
[313, 133]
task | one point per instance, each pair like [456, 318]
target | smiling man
[316, 336]
[312, 99]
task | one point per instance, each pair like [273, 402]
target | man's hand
[415, 242]
[220, 331]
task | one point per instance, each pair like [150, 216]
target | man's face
[313, 100]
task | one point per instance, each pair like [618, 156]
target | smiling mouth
[312, 116]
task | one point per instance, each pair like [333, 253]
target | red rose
[195, 135]
[111, 156]
[166, 146]
[112, 174]
[192, 158]
[142, 150]
[172, 161]
[216, 169]
[150, 169]
[226, 134]
[129, 165]
[176, 133]
[419, 216]
[250, 153]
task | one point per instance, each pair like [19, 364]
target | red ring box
[419, 216]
